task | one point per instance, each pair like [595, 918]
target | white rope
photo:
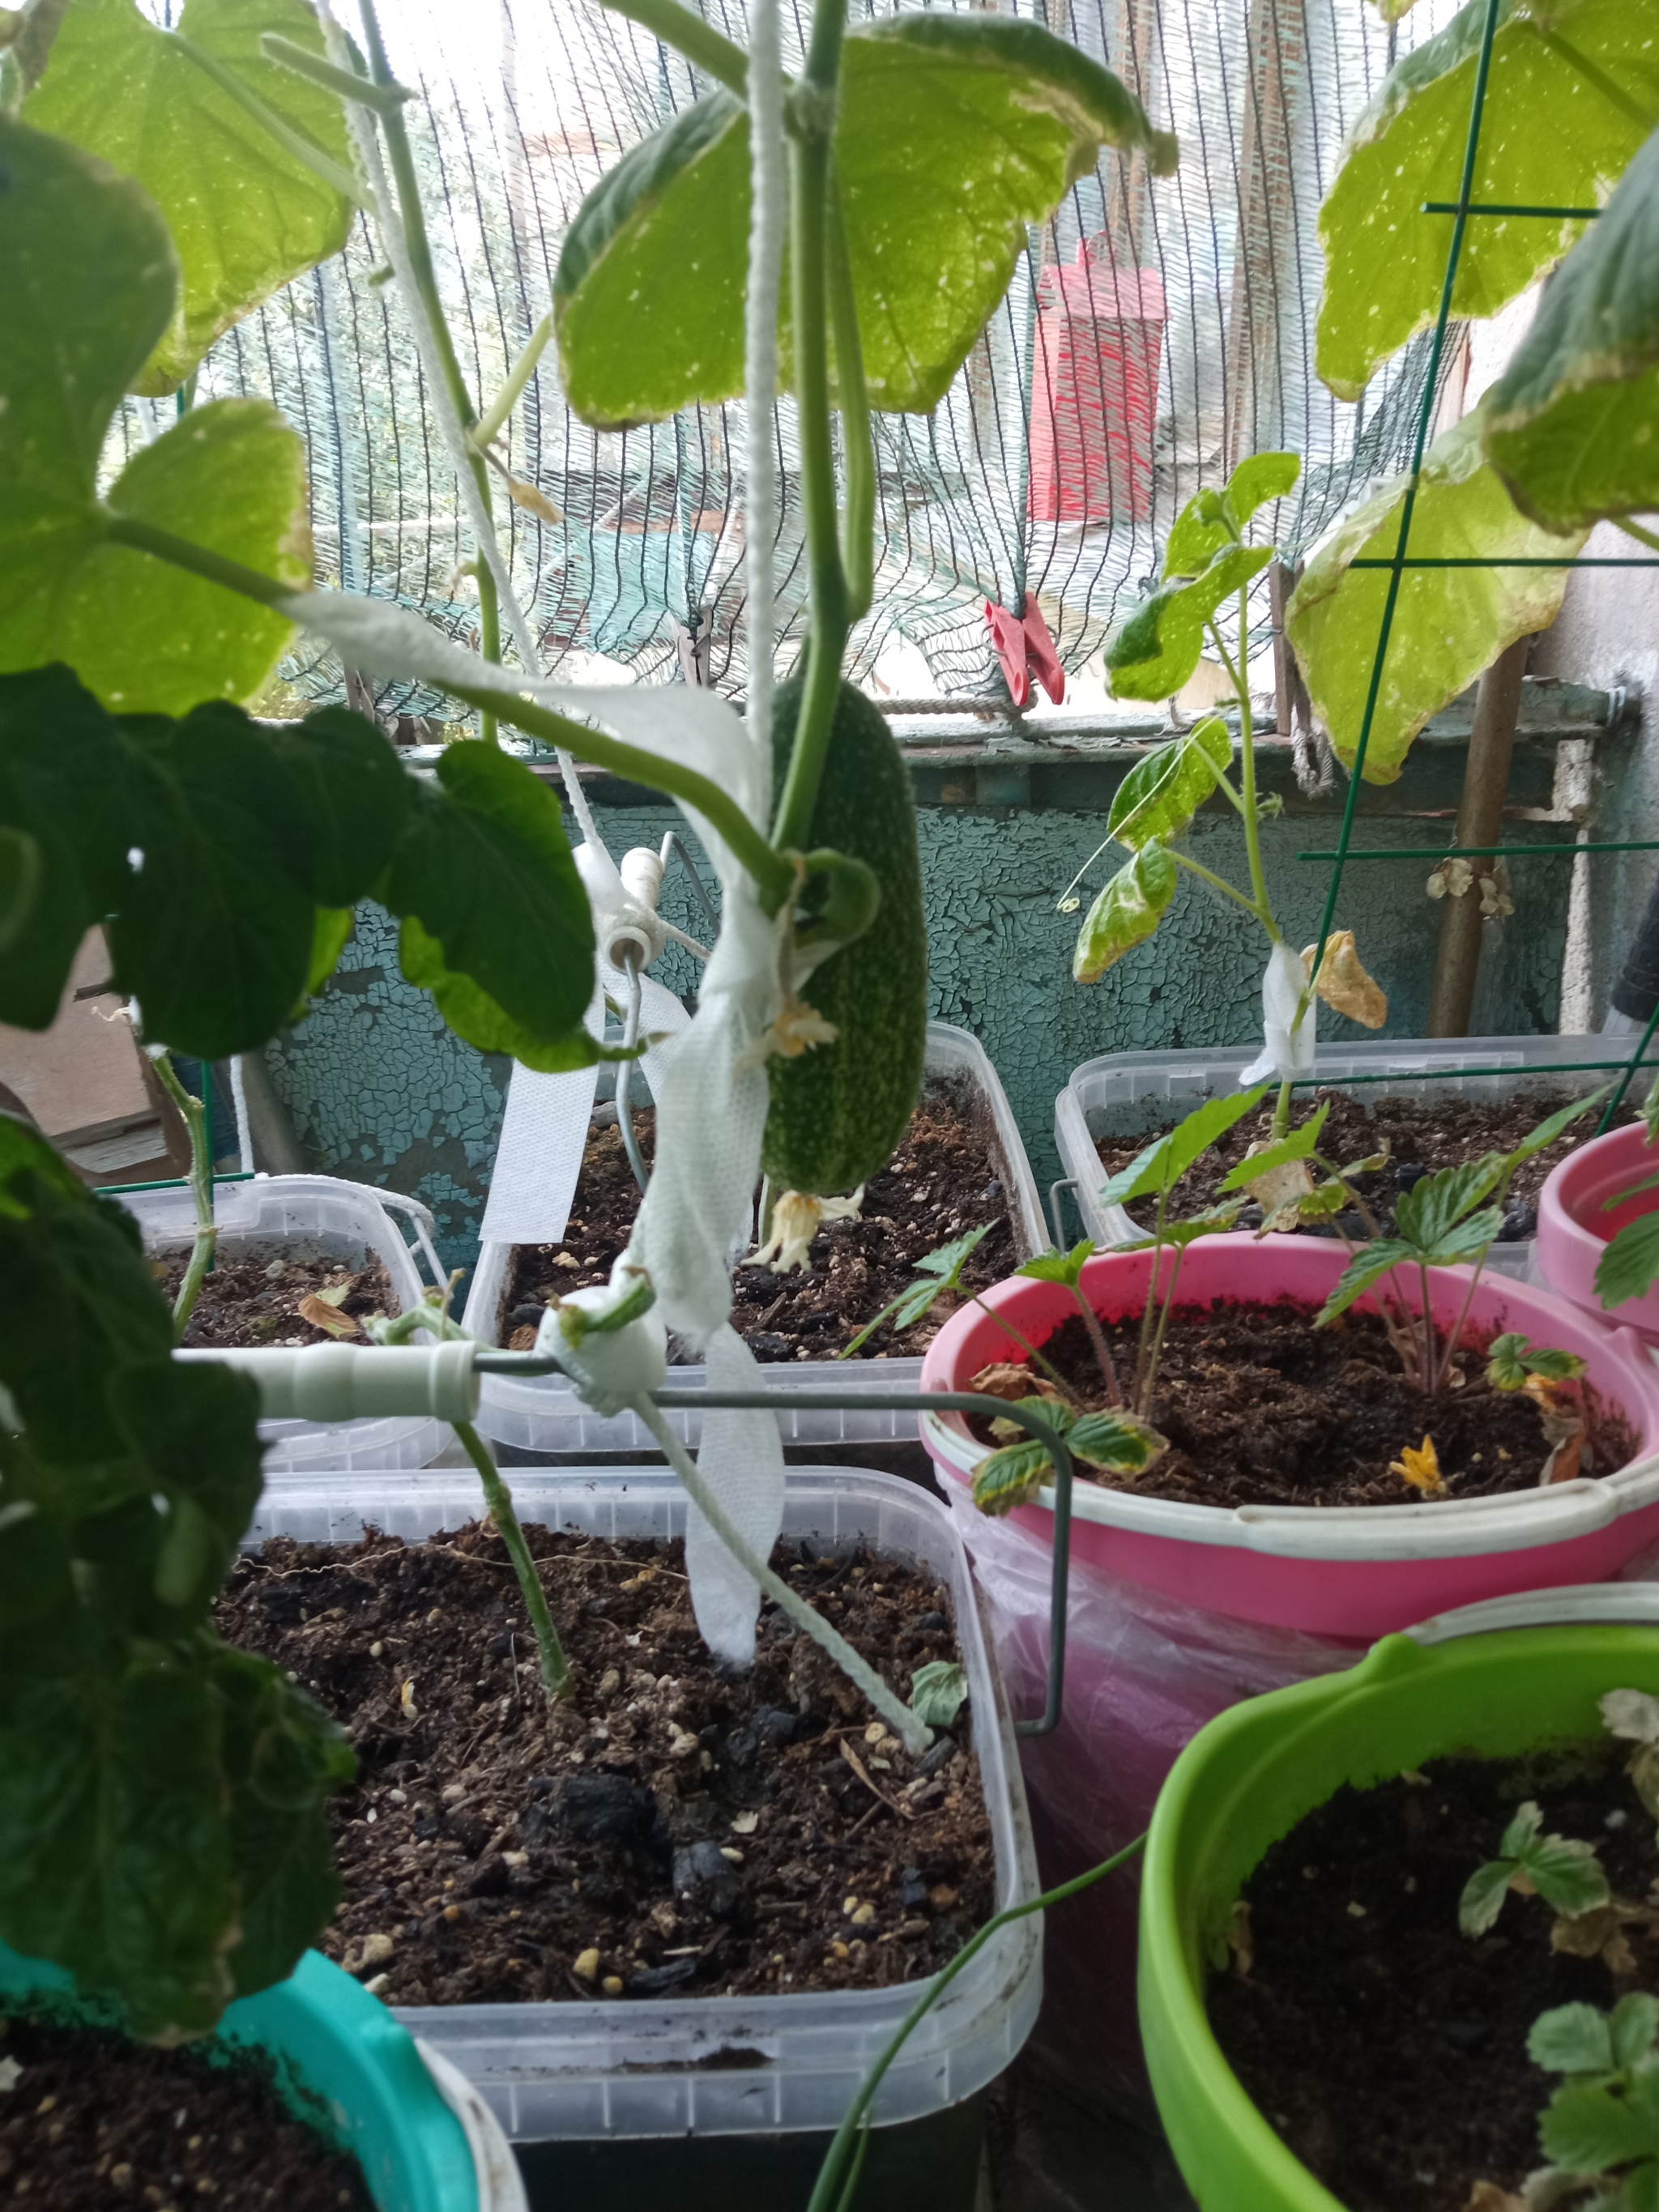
[238, 1101]
[367, 146]
[914, 1734]
[769, 191]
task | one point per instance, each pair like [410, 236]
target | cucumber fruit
[838, 1109]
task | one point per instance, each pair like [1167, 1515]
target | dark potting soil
[1261, 1408]
[1386, 2048]
[90, 2121]
[1421, 1134]
[250, 1301]
[671, 1831]
[942, 1182]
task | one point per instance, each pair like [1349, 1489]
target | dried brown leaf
[1342, 983]
[326, 1317]
[1004, 1379]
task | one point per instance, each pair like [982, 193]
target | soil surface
[942, 1182]
[256, 1300]
[1261, 1408]
[1421, 1134]
[90, 2121]
[1388, 2048]
[672, 1831]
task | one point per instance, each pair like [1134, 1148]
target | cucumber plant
[160, 1825]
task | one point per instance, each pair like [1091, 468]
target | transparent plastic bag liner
[625, 2067]
[1143, 1674]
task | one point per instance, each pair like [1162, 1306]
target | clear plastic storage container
[1129, 1094]
[758, 2071]
[544, 1416]
[313, 1217]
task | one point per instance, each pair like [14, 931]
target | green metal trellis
[1462, 209]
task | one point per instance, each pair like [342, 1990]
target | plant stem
[1139, 1404]
[490, 425]
[555, 1670]
[1165, 1307]
[857, 550]
[912, 1733]
[193, 1114]
[1443, 1370]
[1246, 771]
[770, 871]
[702, 45]
[1215, 882]
[1097, 1338]
[1280, 1125]
[812, 116]
[1635, 529]
[831, 2194]
[419, 250]
[1426, 1329]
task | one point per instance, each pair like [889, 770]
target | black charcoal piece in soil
[90, 2121]
[253, 1298]
[677, 1831]
[1422, 1135]
[946, 1179]
[1386, 2048]
[1262, 1408]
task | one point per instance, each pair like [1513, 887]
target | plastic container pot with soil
[1112, 1105]
[314, 1231]
[546, 1417]
[567, 1901]
[1257, 1811]
[1588, 1200]
[308, 2098]
[1305, 1535]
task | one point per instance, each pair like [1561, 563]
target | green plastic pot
[1492, 1680]
[342, 2055]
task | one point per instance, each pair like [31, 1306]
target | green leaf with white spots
[1160, 795]
[1449, 624]
[246, 213]
[1572, 427]
[1557, 131]
[90, 269]
[1126, 914]
[954, 133]
[1156, 650]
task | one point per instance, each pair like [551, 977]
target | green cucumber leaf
[1160, 795]
[1157, 648]
[331, 928]
[1550, 138]
[1449, 624]
[1125, 912]
[1571, 425]
[91, 276]
[1629, 1265]
[354, 790]
[482, 863]
[474, 1015]
[193, 1433]
[246, 215]
[114, 1860]
[954, 133]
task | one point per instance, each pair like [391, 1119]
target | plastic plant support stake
[343, 2050]
[1286, 1056]
[1249, 1776]
[330, 1382]
[741, 1462]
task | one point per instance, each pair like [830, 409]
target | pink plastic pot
[1355, 1572]
[1574, 1230]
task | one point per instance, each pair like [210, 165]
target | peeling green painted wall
[379, 1090]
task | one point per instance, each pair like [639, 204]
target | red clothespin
[1024, 647]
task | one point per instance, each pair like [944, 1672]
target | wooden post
[1480, 821]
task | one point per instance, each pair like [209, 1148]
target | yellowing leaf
[1342, 982]
[532, 502]
[1419, 1466]
[328, 1318]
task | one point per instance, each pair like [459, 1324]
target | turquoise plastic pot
[331, 2038]
[1468, 1683]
